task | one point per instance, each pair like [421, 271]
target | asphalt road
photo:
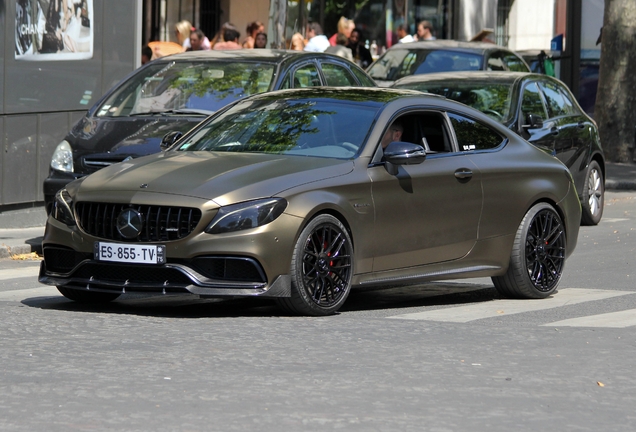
[449, 356]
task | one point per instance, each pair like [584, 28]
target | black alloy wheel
[538, 255]
[321, 269]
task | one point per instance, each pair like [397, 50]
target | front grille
[159, 223]
[95, 164]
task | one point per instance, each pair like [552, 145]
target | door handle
[581, 125]
[554, 131]
[463, 174]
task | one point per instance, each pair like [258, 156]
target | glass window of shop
[378, 20]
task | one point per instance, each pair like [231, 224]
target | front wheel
[538, 256]
[593, 195]
[83, 296]
[321, 268]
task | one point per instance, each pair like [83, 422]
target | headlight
[62, 207]
[62, 159]
[246, 215]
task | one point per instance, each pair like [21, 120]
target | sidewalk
[16, 241]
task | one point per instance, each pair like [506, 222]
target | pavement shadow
[192, 307]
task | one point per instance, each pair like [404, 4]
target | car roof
[489, 76]
[268, 55]
[475, 47]
[363, 95]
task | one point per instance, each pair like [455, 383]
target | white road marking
[23, 294]
[495, 308]
[611, 220]
[621, 319]
[31, 271]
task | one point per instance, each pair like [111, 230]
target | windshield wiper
[187, 111]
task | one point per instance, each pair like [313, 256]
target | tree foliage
[615, 109]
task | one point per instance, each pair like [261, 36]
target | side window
[306, 76]
[532, 103]
[557, 104]
[473, 135]
[337, 76]
[365, 81]
[495, 63]
[514, 63]
[426, 129]
[408, 65]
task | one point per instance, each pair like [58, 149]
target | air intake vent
[159, 223]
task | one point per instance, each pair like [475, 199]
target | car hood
[114, 139]
[223, 177]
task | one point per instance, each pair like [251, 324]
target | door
[427, 213]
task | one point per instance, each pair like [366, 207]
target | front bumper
[180, 279]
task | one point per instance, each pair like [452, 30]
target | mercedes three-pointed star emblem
[129, 223]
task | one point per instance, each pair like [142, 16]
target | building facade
[45, 91]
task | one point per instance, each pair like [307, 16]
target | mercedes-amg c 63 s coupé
[302, 195]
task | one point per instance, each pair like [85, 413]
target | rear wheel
[593, 195]
[83, 296]
[538, 256]
[321, 268]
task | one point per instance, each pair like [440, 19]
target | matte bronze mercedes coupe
[302, 195]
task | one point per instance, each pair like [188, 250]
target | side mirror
[403, 153]
[533, 121]
[169, 139]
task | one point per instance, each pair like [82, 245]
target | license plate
[130, 253]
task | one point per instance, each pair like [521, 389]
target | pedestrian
[341, 48]
[146, 54]
[196, 41]
[425, 31]
[361, 55]
[261, 40]
[218, 37]
[253, 28]
[345, 26]
[318, 42]
[230, 40]
[182, 31]
[297, 42]
[403, 35]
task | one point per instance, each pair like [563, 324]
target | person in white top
[403, 36]
[318, 42]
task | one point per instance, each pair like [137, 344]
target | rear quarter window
[473, 135]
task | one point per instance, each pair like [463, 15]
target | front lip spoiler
[204, 287]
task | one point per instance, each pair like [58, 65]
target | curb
[618, 185]
[8, 251]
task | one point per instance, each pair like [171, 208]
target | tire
[321, 269]
[83, 296]
[537, 257]
[593, 197]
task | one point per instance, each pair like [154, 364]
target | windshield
[493, 99]
[302, 127]
[398, 63]
[189, 86]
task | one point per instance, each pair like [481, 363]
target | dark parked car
[543, 111]
[175, 93]
[279, 196]
[425, 57]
